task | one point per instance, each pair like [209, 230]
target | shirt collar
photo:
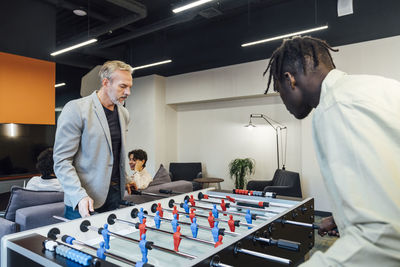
[329, 81]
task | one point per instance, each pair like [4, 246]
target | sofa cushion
[161, 177]
[22, 198]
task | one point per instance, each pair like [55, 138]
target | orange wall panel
[27, 93]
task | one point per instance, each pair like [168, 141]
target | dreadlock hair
[291, 57]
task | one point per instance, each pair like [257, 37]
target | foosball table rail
[281, 234]
[274, 236]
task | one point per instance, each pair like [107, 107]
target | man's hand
[129, 186]
[327, 226]
[85, 206]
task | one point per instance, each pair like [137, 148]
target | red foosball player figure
[175, 211]
[160, 210]
[177, 238]
[142, 228]
[192, 214]
[219, 242]
[211, 220]
[191, 200]
[231, 223]
[223, 206]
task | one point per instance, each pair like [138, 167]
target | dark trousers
[111, 203]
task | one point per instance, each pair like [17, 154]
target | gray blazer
[83, 156]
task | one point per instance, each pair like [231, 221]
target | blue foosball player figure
[143, 248]
[100, 251]
[215, 232]
[106, 236]
[215, 211]
[194, 227]
[141, 215]
[185, 206]
[157, 220]
[248, 218]
[174, 223]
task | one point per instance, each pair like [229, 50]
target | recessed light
[79, 12]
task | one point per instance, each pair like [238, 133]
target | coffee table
[209, 180]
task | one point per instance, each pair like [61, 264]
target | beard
[115, 99]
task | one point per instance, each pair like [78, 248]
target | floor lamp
[278, 127]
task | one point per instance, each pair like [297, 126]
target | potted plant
[239, 169]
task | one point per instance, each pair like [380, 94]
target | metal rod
[264, 256]
[216, 219]
[226, 212]
[271, 204]
[280, 243]
[251, 201]
[108, 254]
[129, 239]
[198, 225]
[240, 207]
[166, 232]
[183, 236]
[308, 225]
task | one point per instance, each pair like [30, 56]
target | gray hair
[110, 67]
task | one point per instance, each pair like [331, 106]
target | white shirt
[356, 130]
[39, 184]
[142, 179]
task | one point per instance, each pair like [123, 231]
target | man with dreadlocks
[356, 134]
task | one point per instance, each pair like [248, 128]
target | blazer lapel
[98, 109]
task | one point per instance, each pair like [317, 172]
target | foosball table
[202, 228]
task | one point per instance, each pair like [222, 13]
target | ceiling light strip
[59, 85]
[285, 36]
[73, 47]
[191, 5]
[152, 64]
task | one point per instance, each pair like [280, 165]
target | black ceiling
[210, 36]
[205, 37]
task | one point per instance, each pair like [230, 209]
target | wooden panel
[27, 93]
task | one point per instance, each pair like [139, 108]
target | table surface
[209, 180]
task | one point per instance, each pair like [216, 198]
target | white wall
[208, 109]
[214, 134]
[148, 128]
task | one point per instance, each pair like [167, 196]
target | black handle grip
[126, 203]
[149, 245]
[136, 192]
[244, 205]
[289, 245]
[165, 191]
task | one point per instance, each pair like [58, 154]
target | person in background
[89, 148]
[48, 181]
[356, 133]
[140, 178]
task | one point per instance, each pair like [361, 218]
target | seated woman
[48, 181]
[140, 178]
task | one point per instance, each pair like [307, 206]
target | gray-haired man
[89, 149]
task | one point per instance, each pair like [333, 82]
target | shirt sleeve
[66, 145]
[142, 179]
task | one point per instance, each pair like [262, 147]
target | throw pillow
[161, 177]
[22, 198]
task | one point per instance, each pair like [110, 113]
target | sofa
[161, 180]
[284, 183]
[186, 171]
[28, 209]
